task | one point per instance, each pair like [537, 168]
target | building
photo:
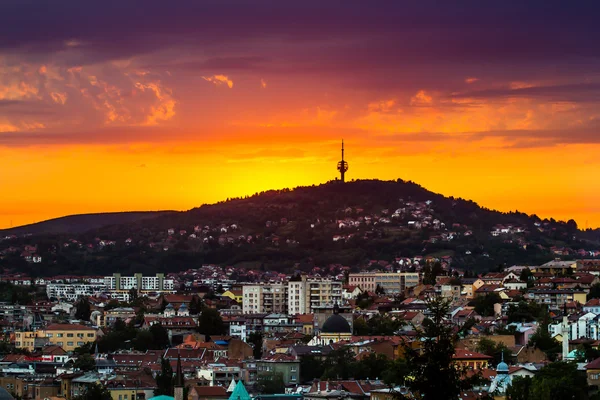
[287, 365]
[265, 298]
[391, 282]
[556, 298]
[218, 374]
[335, 329]
[139, 282]
[306, 294]
[67, 336]
[73, 291]
[470, 359]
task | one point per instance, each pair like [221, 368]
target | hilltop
[366, 222]
[79, 223]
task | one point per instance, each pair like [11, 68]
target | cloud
[471, 80]
[382, 106]
[421, 99]
[219, 80]
[580, 92]
[263, 83]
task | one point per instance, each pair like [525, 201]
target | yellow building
[67, 336]
[235, 294]
[470, 359]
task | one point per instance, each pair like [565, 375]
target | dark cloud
[588, 92]
[354, 34]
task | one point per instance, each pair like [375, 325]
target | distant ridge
[80, 223]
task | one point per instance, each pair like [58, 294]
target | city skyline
[496, 103]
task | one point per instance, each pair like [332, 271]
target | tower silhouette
[342, 166]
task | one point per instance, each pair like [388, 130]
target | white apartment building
[139, 282]
[265, 298]
[72, 291]
[586, 326]
[391, 282]
[307, 293]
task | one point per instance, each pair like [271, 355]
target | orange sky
[175, 118]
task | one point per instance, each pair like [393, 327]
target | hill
[359, 223]
[75, 224]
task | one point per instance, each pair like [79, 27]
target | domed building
[335, 329]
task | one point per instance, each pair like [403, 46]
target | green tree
[160, 337]
[94, 391]
[256, 340]
[484, 305]
[594, 291]
[542, 340]
[430, 272]
[211, 323]
[360, 327]
[83, 310]
[85, 363]
[519, 389]
[311, 367]
[497, 350]
[559, 381]
[339, 364]
[270, 383]
[164, 379]
[431, 367]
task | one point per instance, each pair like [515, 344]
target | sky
[115, 105]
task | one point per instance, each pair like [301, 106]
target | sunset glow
[170, 111]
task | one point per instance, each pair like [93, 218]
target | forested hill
[75, 224]
[349, 223]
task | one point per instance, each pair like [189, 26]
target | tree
[594, 291]
[339, 364]
[542, 340]
[311, 367]
[484, 305]
[559, 381]
[497, 350]
[211, 323]
[85, 363]
[256, 340]
[519, 389]
[432, 369]
[160, 337]
[195, 306]
[360, 327]
[164, 379]
[83, 310]
[270, 383]
[94, 391]
[430, 272]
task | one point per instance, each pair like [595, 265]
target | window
[80, 343]
[90, 335]
[69, 335]
[59, 335]
[59, 343]
[69, 343]
[80, 335]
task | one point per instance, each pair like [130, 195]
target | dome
[169, 306]
[336, 324]
[502, 367]
[183, 306]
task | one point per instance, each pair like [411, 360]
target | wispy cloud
[219, 80]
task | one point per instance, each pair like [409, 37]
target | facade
[556, 298]
[308, 293]
[284, 364]
[73, 291]
[138, 282]
[265, 298]
[67, 336]
[392, 282]
[219, 374]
